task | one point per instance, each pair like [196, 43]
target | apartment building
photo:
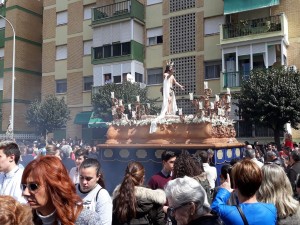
[86, 43]
[26, 20]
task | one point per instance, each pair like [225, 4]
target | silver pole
[13, 76]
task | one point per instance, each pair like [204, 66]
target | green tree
[126, 91]
[47, 115]
[271, 98]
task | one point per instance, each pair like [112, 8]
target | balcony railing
[234, 79]
[120, 10]
[255, 26]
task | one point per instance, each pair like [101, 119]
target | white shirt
[101, 204]
[211, 174]
[74, 175]
[10, 184]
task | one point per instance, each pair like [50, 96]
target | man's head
[204, 156]
[168, 158]
[271, 156]
[295, 156]
[249, 152]
[9, 155]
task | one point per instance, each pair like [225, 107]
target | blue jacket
[256, 213]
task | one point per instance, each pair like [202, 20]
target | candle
[138, 98]
[228, 91]
[120, 102]
[112, 94]
[212, 106]
[180, 111]
[133, 114]
[219, 111]
[129, 106]
[191, 96]
[148, 105]
[228, 98]
[205, 85]
[217, 98]
[200, 105]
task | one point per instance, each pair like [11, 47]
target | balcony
[272, 26]
[234, 79]
[118, 11]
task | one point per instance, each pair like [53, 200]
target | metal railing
[235, 79]
[112, 10]
[255, 26]
[23, 136]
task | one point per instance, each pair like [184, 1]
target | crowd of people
[62, 183]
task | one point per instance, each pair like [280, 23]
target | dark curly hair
[187, 165]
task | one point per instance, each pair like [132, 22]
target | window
[126, 48]
[98, 53]
[2, 23]
[61, 86]
[152, 2]
[154, 36]
[116, 49]
[117, 79]
[61, 18]
[155, 76]
[139, 77]
[1, 53]
[107, 78]
[212, 25]
[61, 52]
[87, 46]
[213, 69]
[87, 12]
[107, 51]
[87, 83]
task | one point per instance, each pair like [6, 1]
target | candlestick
[228, 91]
[200, 105]
[138, 98]
[228, 98]
[120, 102]
[205, 85]
[148, 105]
[112, 94]
[129, 106]
[180, 111]
[133, 114]
[212, 106]
[191, 96]
[217, 98]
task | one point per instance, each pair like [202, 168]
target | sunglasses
[30, 186]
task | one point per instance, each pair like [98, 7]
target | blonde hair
[14, 213]
[276, 189]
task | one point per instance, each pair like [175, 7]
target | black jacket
[207, 220]
[149, 207]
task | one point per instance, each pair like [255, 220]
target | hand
[182, 87]
[226, 184]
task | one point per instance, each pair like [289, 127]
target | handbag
[242, 215]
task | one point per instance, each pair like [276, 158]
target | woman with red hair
[52, 195]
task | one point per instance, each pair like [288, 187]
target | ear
[193, 208]
[11, 158]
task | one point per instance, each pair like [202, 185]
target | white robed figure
[169, 105]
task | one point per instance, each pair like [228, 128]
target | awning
[235, 6]
[83, 117]
[95, 122]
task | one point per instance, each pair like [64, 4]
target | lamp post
[2, 3]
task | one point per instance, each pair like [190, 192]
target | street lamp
[11, 124]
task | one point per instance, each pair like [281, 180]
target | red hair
[50, 172]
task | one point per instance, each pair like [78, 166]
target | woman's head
[13, 213]
[125, 203]
[90, 175]
[276, 189]
[80, 156]
[186, 165]
[47, 186]
[225, 169]
[187, 199]
[247, 177]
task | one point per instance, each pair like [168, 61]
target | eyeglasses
[31, 187]
[171, 210]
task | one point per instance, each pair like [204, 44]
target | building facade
[87, 43]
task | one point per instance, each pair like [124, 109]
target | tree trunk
[277, 138]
